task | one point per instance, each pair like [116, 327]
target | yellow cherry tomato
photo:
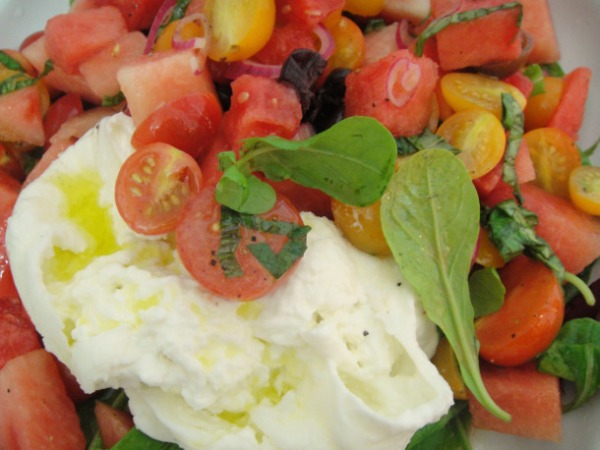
[239, 28]
[468, 91]
[361, 226]
[541, 107]
[445, 361]
[555, 155]
[365, 8]
[188, 31]
[488, 254]
[584, 189]
[350, 45]
[479, 136]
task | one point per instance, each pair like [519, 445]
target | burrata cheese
[335, 358]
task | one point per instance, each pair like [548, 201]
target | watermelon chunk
[100, 70]
[492, 38]
[537, 21]
[25, 111]
[153, 80]
[17, 333]
[138, 14]
[35, 411]
[530, 397]
[74, 37]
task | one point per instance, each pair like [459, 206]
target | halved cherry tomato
[239, 28]
[62, 109]
[584, 189]
[469, 90]
[365, 8]
[554, 155]
[188, 123]
[198, 238]
[153, 186]
[540, 108]
[488, 254]
[361, 226]
[479, 136]
[189, 30]
[350, 45]
[446, 363]
[530, 317]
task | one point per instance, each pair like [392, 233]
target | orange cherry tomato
[468, 90]
[361, 226]
[541, 107]
[554, 155]
[584, 189]
[530, 317]
[479, 136]
[198, 237]
[153, 186]
[350, 45]
[189, 30]
[488, 254]
[365, 8]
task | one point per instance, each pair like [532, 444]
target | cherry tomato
[488, 254]
[530, 317]
[188, 123]
[540, 108]
[62, 109]
[468, 90]
[554, 155]
[350, 45]
[189, 30]
[153, 186]
[361, 226]
[479, 136]
[198, 238]
[239, 29]
[365, 8]
[446, 363]
[584, 189]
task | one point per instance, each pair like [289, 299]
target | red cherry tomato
[62, 109]
[198, 236]
[189, 123]
[530, 317]
[153, 186]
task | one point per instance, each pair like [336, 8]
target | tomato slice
[529, 319]
[188, 123]
[554, 155]
[584, 189]
[199, 237]
[153, 186]
[480, 137]
[540, 108]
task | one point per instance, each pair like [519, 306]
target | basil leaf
[430, 218]
[513, 122]
[535, 73]
[408, 145]
[587, 154]
[301, 70]
[553, 69]
[113, 100]
[9, 62]
[352, 161]
[137, 440]
[451, 432]
[486, 290]
[575, 356]
[464, 16]
[22, 80]
[230, 240]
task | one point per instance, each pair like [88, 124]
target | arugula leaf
[486, 290]
[408, 145]
[535, 73]
[575, 356]
[451, 432]
[430, 218]
[352, 161]
[463, 16]
[513, 122]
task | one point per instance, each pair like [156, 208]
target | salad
[318, 143]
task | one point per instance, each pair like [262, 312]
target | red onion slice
[327, 45]
[402, 80]
[236, 69]
[161, 16]
[404, 37]
[179, 43]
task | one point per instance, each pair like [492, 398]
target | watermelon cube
[537, 21]
[73, 37]
[25, 110]
[139, 14]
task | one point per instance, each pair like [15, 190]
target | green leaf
[587, 154]
[22, 80]
[535, 73]
[451, 432]
[136, 440]
[352, 161]
[553, 69]
[408, 145]
[113, 100]
[430, 218]
[9, 62]
[486, 290]
[513, 122]
[464, 16]
[575, 356]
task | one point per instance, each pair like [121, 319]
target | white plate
[579, 34]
